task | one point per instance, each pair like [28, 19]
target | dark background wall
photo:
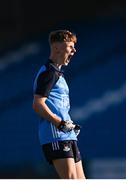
[21, 20]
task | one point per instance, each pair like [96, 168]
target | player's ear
[56, 48]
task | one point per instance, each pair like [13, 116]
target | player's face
[66, 51]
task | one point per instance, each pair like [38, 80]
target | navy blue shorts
[61, 150]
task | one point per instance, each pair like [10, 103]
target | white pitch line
[110, 98]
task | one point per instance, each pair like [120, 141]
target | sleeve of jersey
[44, 83]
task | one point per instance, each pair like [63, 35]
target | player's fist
[66, 126]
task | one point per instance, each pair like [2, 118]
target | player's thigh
[65, 168]
[80, 170]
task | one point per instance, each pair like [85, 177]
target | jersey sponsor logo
[65, 102]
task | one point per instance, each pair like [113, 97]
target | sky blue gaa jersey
[50, 83]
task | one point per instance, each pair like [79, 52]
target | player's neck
[55, 63]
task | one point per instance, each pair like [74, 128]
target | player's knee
[72, 175]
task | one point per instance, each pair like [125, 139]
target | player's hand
[66, 126]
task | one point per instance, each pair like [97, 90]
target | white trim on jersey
[55, 145]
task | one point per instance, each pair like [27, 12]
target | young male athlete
[57, 132]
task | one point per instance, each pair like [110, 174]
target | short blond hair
[62, 36]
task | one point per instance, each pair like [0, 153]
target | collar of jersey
[54, 67]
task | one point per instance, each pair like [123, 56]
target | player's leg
[78, 162]
[63, 155]
[66, 168]
[79, 170]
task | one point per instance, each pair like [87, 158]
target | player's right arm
[44, 111]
